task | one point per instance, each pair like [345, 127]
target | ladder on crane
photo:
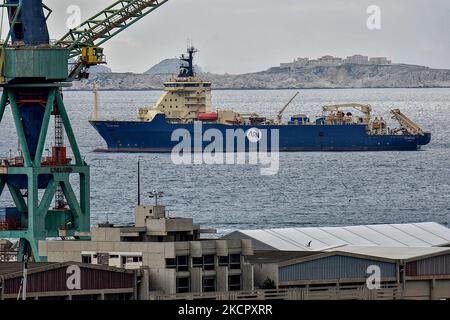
[406, 124]
[85, 40]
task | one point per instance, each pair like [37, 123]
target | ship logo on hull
[254, 135]
[229, 146]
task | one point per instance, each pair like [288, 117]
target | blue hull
[156, 136]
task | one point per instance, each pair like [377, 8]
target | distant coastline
[344, 76]
[256, 89]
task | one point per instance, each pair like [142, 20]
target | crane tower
[33, 73]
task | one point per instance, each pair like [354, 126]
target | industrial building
[335, 262]
[174, 258]
[427, 234]
[169, 260]
[50, 281]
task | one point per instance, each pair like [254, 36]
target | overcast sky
[238, 36]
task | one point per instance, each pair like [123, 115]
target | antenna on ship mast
[187, 71]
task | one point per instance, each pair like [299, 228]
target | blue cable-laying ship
[183, 115]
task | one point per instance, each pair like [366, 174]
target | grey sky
[237, 36]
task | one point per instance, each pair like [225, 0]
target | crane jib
[107, 23]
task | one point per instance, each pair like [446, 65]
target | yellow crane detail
[406, 124]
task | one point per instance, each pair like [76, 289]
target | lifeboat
[209, 116]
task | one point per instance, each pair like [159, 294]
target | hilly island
[308, 76]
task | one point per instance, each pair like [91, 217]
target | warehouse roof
[394, 253]
[279, 256]
[13, 269]
[426, 234]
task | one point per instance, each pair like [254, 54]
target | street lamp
[156, 195]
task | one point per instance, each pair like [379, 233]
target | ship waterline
[138, 136]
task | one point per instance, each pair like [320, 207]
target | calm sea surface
[311, 189]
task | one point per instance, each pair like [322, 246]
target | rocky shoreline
[338, 77]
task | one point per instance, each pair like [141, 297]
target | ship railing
[19, 162]
[11, 162]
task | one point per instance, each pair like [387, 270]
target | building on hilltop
[331, 61]
[357, 59]
[380, 61]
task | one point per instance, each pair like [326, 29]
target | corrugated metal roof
[426, 234]
[394, 253]
[279, 256]
[16, 268]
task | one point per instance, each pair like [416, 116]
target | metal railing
[11, 162]
[388, 292]
[8, 255]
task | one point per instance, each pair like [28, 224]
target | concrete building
[357, 59]
[380, 61]
[297, 63]
[169, 250]
[331, 61]
[334, 262]
[406, 273]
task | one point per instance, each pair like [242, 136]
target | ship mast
[188, 71]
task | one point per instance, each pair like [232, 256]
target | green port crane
[84, 41]
[33, 71]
